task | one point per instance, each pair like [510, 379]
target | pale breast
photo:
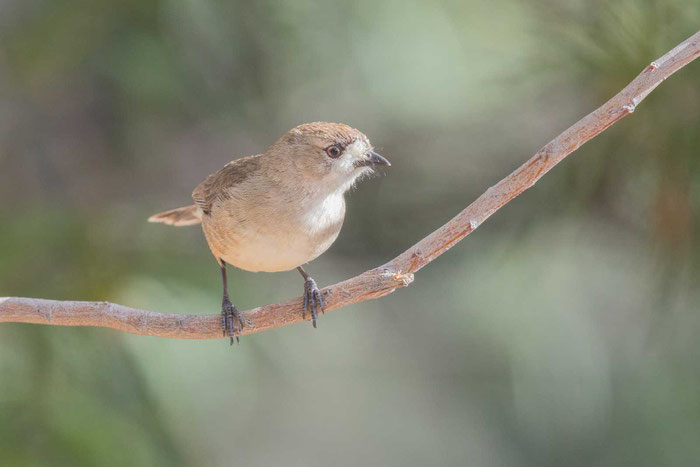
[269, 237]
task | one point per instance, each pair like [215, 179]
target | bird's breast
[320, 216]
[276, 238]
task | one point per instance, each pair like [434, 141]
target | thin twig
[376, 282]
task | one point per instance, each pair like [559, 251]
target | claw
[319, 300]
[306, 303]
[313, 300]
[229, 316]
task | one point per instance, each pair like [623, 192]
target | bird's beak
[373, 160]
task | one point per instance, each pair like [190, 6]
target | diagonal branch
[384, 279]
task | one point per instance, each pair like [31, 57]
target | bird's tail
[189, 215]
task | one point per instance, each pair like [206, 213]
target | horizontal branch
[380, 281]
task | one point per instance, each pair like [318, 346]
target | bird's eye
[333, 151]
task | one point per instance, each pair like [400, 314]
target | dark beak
[374, 160]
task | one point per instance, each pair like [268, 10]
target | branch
[384, 279]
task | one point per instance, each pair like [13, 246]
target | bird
[281, 209]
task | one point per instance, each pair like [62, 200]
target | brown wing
[215, 186]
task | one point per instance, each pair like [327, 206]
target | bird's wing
[216, 186]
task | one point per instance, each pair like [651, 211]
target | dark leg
[313, 300]
[231, 321]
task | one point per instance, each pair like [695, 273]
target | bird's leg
[231, 321]
[313, 300]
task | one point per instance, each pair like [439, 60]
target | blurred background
[563, 331]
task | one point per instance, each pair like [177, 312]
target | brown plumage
[215, 186]
[278, 210]
[188, 215]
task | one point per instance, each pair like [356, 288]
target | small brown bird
[281, 209]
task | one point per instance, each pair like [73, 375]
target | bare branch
[380, 281]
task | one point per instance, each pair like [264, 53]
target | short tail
[189, 215]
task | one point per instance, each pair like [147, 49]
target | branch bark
[379, 281]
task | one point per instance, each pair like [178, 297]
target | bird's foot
[231, 321]
[313, 301]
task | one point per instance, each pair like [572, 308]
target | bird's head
[333, 154]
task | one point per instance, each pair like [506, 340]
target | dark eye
[333, 151]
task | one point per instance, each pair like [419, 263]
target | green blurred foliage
[563, 331]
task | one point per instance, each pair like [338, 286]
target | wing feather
[216, 186]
